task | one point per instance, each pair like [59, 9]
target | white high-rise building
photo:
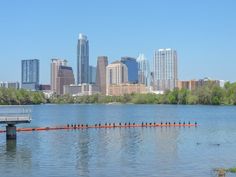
[165, 68]
[116, 73]
[143, 70]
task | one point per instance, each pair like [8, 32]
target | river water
[140, 152]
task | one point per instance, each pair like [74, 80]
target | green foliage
[209, 94]
[20, 97]
[232, 170]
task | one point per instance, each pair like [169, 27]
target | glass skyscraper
[165, 69]
[30, 74]
[143, 70]
[132, 66]
[92, 74]
[82, 60]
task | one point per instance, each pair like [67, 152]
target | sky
[203, 32]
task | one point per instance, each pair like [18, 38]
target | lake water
[140, 152]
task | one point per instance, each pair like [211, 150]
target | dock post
[11, 132]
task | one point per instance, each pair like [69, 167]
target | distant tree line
[10, 96]
[209, 94]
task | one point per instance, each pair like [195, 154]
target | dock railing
[15, 115]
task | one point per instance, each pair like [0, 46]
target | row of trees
[20, 97]
[210, 94]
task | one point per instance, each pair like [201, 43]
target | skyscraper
[65, 77]
[132, 66]
[102, 63]
[30, 74]
[61, 75]
[143, 70]
[54, 72]
[92, 74]
[165, 69]
[116, 73]
[82, 60]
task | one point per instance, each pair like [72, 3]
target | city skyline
[201, 32]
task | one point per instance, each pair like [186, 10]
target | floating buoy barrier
[107, 125]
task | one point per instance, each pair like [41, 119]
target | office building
[30, 74]
[116, 73]
[102, 63]
[65, 77]
[82, 59]
[54, 72]
[122, 89]
[81, 89]
[14, 85]
[132, 66]
[143, 70]
[92, 74]
[61, 75]
[165, 70]
[44, 87]
[195, 84]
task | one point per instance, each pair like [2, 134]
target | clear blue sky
[203, 32]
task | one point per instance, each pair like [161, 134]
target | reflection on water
[82, 153]
[15, 159]
[11, 146]
[166, 151]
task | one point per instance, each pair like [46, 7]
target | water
[152, 152]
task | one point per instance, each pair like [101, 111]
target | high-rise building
[102, 63]
[132, 66]
[82, 60]
[65, 77]
[165, 69]
[61, 75]
[143, 70]
[92, 74]
[116, 73]
[54, 72]
[14, 85]
[30, 74]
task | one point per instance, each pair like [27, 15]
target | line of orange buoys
[107, 125]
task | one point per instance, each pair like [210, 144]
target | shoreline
[116, 103]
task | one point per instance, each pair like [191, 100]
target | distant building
[116, 73]
[165, 69]
[61, 75]
[65, 77]
[102, 63]
[14, 85]
[222, 83]
[206, 80]
[30, 74]
[189, 85]
[55, 64]
[92, 74]
[44, 87]
[82, 60]
[152, 79]
[132, 66]
[81, 89]
[143, 70]
[194, 84]
[122, 89]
